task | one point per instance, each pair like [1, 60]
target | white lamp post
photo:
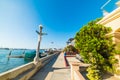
[36, 59]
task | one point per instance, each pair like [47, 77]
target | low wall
[75, 71]
[16, 71]
[77, 75]
[25, 71]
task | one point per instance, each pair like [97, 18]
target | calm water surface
[10, 63]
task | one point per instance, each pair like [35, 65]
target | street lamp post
[36, 59]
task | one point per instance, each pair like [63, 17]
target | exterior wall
[73, 43]
[112, 20]
[30, 67]
[115, 24]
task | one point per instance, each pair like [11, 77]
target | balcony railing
[109, 6]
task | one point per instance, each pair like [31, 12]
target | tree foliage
[96, 48]
[70, 48]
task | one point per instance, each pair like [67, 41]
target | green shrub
[96, 48]
[70, 48]
[94, 73]
[118, 72]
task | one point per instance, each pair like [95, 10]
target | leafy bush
[118, 72]
[96, 48]
[70, 48]
[94, 73]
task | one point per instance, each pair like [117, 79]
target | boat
[32, 54]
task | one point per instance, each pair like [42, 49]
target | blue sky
[61, 19]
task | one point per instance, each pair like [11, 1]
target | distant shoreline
[4, 49]
[17, 49]
[13, 49]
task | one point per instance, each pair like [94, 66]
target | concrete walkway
[54, 70]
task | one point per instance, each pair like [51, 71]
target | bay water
[10, 63]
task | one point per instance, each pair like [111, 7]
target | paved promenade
[54, 70]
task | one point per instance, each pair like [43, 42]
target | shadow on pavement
[43, 72]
